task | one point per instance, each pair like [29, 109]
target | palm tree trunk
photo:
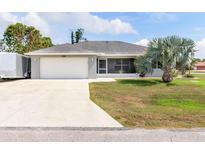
[167, 75]
[189, 70]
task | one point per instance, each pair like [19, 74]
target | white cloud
[200, 47]
[198, 29]
[162, 17]
[31, 19]
[7, 18]
[91, 23]
[49, 23]
[143, 42]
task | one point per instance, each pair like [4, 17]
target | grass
[150, 103]
[198, 71]
[181, 104]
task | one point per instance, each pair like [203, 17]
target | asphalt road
[65, 134]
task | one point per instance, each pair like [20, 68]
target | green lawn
[150, 103]
[198, 71]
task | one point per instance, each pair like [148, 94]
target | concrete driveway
[50, 103]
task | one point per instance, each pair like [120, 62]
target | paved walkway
[101, 134]
[50, 103]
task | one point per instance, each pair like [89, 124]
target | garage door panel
[63, 67]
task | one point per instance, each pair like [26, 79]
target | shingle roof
[96, 47]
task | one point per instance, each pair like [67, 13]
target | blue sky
[130, 27]
[150, 25]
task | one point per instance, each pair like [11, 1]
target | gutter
[61, 54]
[82, 54]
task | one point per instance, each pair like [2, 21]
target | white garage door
[63, 67]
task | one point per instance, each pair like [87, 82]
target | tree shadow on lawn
[141, 82]
[145, 82]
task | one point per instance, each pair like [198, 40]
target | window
[102, 63]
[102, 66]
[102, 71]
[123, 65]
[125, 61]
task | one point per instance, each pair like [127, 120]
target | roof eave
[61, 54]
[82, 54]
[115, 55]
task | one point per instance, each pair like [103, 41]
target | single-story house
[88, 59]
[200, 66]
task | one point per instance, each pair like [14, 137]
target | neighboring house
[88, 59]
[200, 66]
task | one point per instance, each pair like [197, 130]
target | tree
[185, 61]
[72, 38]
[172, 53]
[143, 65]
[44, 42]
[199, 60]
[2, 46]
[77, 36]
[21, 38]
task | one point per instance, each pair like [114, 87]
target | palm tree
[186, 59]
[77, 36]
[143, 65]
[172, 52]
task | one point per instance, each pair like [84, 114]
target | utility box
[14, 65]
